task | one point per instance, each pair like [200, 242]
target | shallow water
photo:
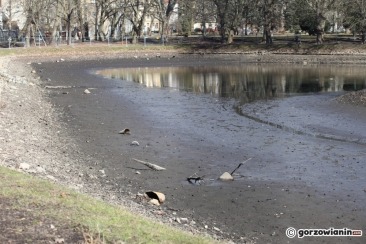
[246, 83]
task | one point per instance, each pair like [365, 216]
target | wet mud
[308, 167]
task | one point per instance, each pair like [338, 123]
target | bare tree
[136, 11]
[270, 14]
[68, 15]
[355, 17]
[205, 12]
[186, 12]
[34, 11]
[321, 7]
[163, 10]
[108, 11]
[229, 13]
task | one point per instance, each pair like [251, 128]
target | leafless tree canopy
[113, 19]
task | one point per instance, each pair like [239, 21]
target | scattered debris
[58, 87]
[150, 165]
[240, 165]
[40, 169]
[24, 166]
[216, 229]
[154, 202]
[355, 97]
[50, 177]
[226, 176]
[125, 131]
[156, 195]
[184, 220]
[193, 179]
[135, 143]
[59, 240]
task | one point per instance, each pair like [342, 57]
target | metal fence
[7, 36]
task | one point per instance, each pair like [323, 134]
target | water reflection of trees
[248, 82]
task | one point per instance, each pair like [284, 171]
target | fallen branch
[150, 165]
[58, 87]
[240, 165]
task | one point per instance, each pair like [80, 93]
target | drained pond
[307, 150]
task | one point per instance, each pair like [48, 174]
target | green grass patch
[112, 222]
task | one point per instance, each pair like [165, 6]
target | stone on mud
[24, 166]
[226, 176]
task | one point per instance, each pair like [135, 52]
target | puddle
[246, 83]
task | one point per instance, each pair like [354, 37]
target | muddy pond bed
[308, 152]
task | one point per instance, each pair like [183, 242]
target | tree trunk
[267, 35]
[134, 38]
[96, 21]
[230, 37]
[33, 33]
[53, 33]
[163, 35]
[102, 35]
[222, 31]
[80, 18]
[320, 18]
[69, 30]
[27, 35]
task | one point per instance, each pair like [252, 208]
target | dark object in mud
[240, 165]
[156, 195]
[125, 131]
[193, 179]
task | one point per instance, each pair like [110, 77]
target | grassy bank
[40, 201]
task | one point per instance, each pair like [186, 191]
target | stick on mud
[240, 165]
[150, 165]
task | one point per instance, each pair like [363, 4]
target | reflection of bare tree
[247, 82]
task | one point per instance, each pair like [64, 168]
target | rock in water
[226, 176]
